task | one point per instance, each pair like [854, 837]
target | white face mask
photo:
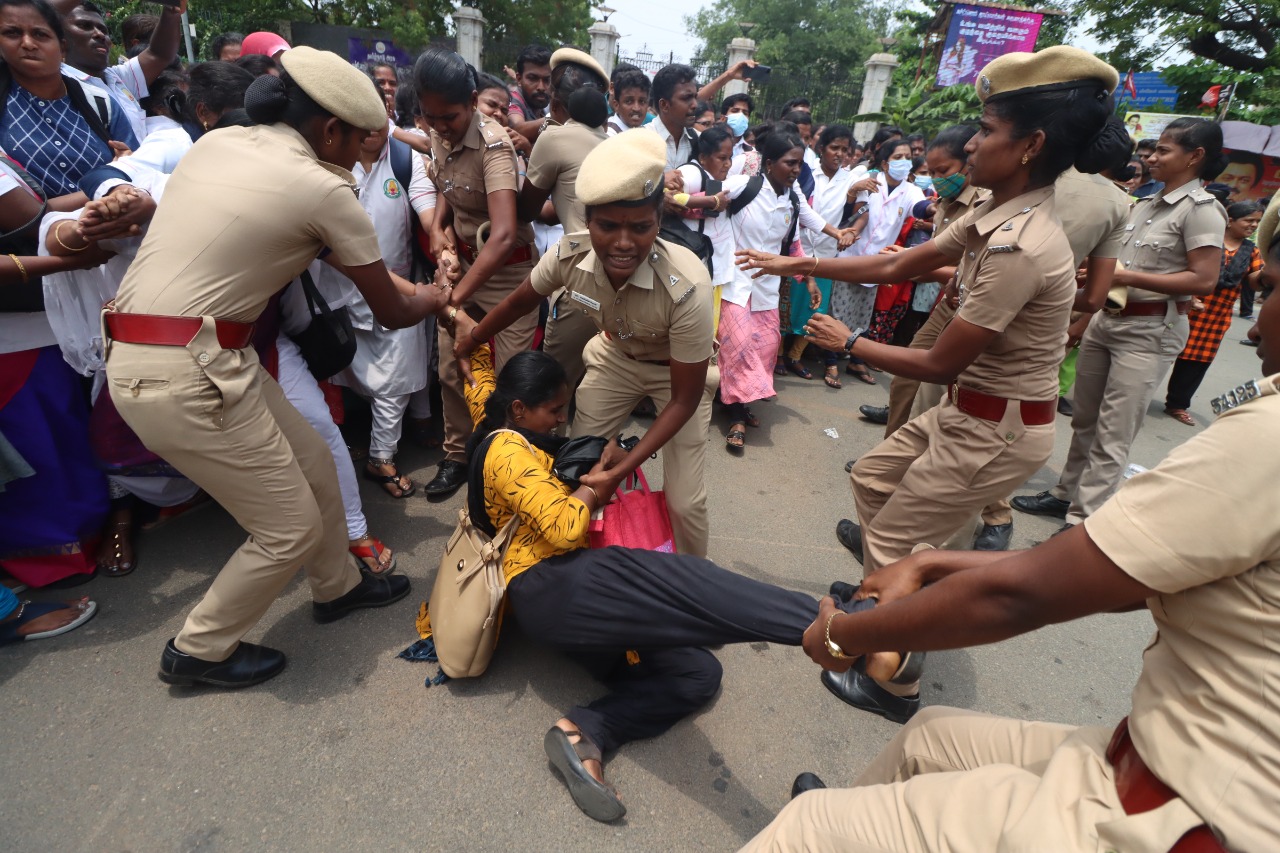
[899, 169]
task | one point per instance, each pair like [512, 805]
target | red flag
[1130, 87]
[1209, 99]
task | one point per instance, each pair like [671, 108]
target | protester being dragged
[651, 301]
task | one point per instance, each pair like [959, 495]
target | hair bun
[266, 99]
[1105, 148]
[588, 106]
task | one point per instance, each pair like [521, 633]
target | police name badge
[1236, 397]
[584, 299]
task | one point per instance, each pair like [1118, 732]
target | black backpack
[674, 230]
[749, 194]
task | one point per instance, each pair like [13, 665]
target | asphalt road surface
[348, 751]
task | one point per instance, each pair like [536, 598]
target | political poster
[1149, 125]
[1251, 177]
[978, 34]
[1142, 89]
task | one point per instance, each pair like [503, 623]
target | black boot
[994, 537]
[1043, 503]
[806, 782]
[248, 664]
[850, 536]
[862, 692]
[875, 414]
[370, 592]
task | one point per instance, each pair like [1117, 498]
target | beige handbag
[465, 607]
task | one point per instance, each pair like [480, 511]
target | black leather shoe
[249, 664]
[848, 466]
[862, 692]
[994, 537]
[1065, 407]
[370, 592]
[1041, 504]
[448, 479]
[806, 782]
[850, 536]
[875, 414]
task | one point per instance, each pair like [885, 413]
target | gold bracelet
[593, 493]
[21, 268]
[814, 269]
[57, 235]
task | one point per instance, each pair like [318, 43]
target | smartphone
[759, 74]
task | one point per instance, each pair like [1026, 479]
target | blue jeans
[8, 601]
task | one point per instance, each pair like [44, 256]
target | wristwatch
[832, 648]
[857, 333]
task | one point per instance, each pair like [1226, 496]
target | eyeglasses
[704, 123]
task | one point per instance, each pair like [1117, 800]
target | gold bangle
[57, 235]
[593, 493]
[814, 269]
[21, 268]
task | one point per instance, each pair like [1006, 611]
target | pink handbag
[635, 518]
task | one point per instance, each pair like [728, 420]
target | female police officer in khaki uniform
[474, 169]
[1000, 355]
[243, 214]
[652, 303]
[1172, 252]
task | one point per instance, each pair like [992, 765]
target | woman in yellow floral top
[638, 620]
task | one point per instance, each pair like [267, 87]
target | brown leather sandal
[598, 800]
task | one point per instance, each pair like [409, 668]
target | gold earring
[1024, 159]
[329, 141]
[205, 125]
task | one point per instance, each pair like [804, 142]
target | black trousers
[597, 604]
[1184, 381]
[1246, 299]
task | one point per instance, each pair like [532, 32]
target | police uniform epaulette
[1005, 238]
[1201, 196]
[1241, 394]
[576, 243]
[490, 141]
[678, 285]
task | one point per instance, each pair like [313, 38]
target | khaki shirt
[952, 210]
[554, 163]
[1017, 279]
[1163, 228]
[661, 313]
[1093, 211]
[244, 214]
[1205, 715]
[484, 162]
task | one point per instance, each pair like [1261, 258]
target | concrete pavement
[347, 751]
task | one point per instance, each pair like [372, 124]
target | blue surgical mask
[924, 182]
[738, 123]
[899, 169]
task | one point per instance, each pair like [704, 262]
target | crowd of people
[193, 301]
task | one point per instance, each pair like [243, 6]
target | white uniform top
[763, 224]
[164, 146]
[887, 212]
[829, 198]
[388, 362]
[679, 151]
[717, 228]
[127, 85]
[811, 157]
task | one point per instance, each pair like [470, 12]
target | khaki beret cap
[1054, 68]
[578, 57]
[336, 85]
[1267, 228]
[627, 168]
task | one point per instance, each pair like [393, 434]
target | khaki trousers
[955, 781]
[610, 390]
[221, 420]
[515, 338]
[910, 398]
[568, 330]
[928, 478]
[1123, 360]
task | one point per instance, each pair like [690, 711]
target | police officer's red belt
[1141, 791]
[518, 255]
[165, 331]
[992, 408]
[1151, 309]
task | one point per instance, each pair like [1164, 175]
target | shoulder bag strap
[749, 194]
[99, 120]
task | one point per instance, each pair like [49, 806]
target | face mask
[738, 123]
[950, 186]
[924, 182]
[899, 169]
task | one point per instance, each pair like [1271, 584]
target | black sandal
[862, 374]
[794, 365]
[396, 480]
[598, 800]
[832, 377]
[735, 440]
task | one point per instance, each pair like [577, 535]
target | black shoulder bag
[328, 343]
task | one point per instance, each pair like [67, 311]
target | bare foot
[73, 610]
